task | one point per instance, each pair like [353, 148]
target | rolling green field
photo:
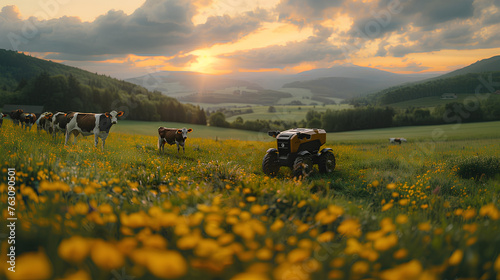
[421, 210]
[414, 133]
[286, 112]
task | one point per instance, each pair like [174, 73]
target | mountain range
[342, 81]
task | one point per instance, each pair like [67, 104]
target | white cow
[396, 140]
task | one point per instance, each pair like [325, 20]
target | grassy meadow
[426, 209]
[286, 112]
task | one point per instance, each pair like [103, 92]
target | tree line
[67, 93]
[370, 117]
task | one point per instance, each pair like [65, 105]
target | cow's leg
[103, 141]
[96, 139]
[178, 147]
[66, 138]
[75, 134]
[159, 143]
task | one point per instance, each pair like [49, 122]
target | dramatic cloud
[172, 29]
[161, 27]
[315, 48]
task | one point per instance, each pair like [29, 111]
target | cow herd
[88, 124]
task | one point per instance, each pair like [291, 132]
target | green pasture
[435, 133]
[285, 112]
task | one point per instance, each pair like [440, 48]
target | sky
[131, 38]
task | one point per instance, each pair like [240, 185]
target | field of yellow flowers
[424, 210]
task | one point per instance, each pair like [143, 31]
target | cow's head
[114, 115]
[184, 131]
[16, 113]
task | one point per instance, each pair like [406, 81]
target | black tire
[326, 162]
[302, 166]
[270, 164]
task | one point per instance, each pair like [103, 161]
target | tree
[218, 119]
[271, 109]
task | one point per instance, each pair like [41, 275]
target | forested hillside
[32, 81]
[467, 83]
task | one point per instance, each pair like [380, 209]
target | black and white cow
[396, 140]
[59, 122]
[44, 122]
[172, 136]
[27, 120]
[15, 115]
[88, 124]
[1, 118]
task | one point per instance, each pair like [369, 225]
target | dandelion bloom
[250, 276]
[74, 249]
[456, 257]
[325, 237]
[424, 226]
[409, 270]
[106, 256]
[490, 210]
[298, 255]
[385, 243]
[277, 225]
[32, 265]
[350, 228]
[401, 219]
[166, 264]
[360, 267]
[387, 207]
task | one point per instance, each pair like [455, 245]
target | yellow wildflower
[298, 255]
[360, 267]
[33, 266]
[385, 243]
[456, 257]
[106, 256]
[250, 276]
[74, 249]
[491, 211]
[166, 264]
[409, 270]
[350, 228]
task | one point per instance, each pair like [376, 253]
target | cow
[27, 120]
[44, 122]
[15, 115]
[1, 118]
[172, 136]
[59, 122]
[88, 123]
[396, 140]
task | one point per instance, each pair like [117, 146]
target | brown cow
[172, 136]
[15, 115]
[27, 120]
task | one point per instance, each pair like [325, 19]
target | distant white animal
[396, 140]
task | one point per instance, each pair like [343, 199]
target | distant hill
[343, 81]
[16, 67]
[464, 80]
[491, 64]
[28, 80]
[348, 81]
